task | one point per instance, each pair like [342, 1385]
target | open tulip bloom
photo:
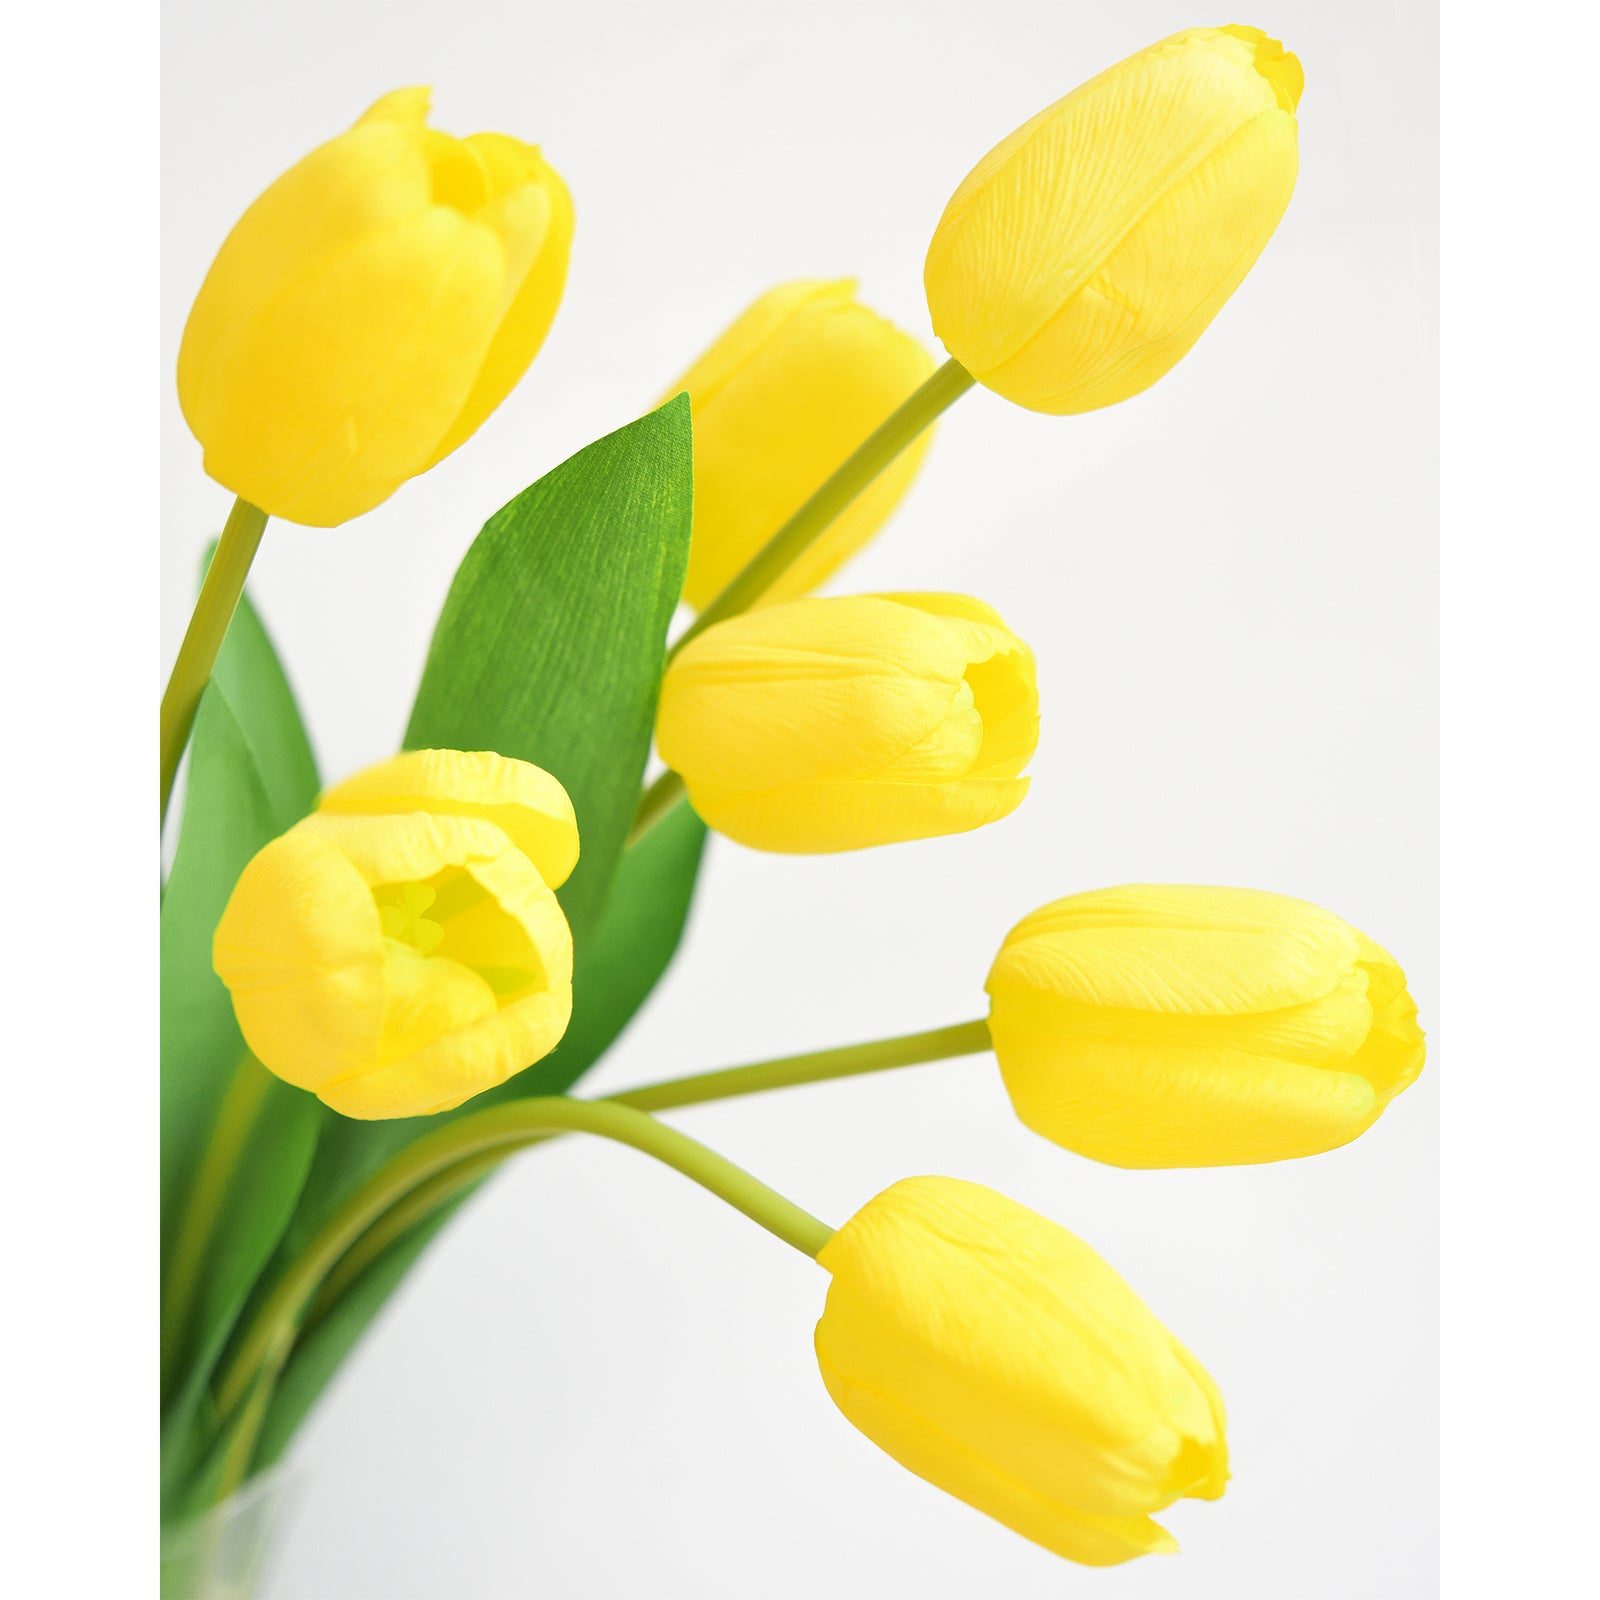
[374, 993]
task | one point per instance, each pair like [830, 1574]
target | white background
[598, 1383]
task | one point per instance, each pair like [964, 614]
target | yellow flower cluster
[402, 949]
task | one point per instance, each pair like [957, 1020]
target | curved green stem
[948, 384]
[818, 1066]
[208, 626]
[654, 804]
[502, 1128]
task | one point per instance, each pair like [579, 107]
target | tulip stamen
[400, 914]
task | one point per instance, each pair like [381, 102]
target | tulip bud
[997, 1356]
[1174, 1025]
[779, 402]
[370, 310]
[840, 723]
[401, 949]
[1084, 255]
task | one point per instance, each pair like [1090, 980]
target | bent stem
[847, 1061]
[503, 1129]
[208, 626]
[769, 563]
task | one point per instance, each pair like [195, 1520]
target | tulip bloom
[835, 724]
[997, 1356]
[779, 402]
[401, 949]
[370, 310]
[1180, 1026]
[1084, 255]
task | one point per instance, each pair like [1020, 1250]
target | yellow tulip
[778, 402]
[1174, 1025]
[1084, 255]
[997, 1356]
[835, 724]
[370, 310]
[401, 949]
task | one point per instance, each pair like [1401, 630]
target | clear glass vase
[223, 1553]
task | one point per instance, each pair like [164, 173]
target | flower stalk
[208, 626]
[819, 1066]
[880, 447]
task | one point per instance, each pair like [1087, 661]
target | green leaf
[224, 1201]
[551, 642]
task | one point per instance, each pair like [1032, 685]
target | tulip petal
[528, 805]
[813, 819]
[939, 1459]
[1158, 291]
[1178, 948]
[359, 185]
[1080, 259]
[1002, 676]
[1183, 1025]
[806, 691]
[1138, 1105]
[428, 997]
[535, 224]
[460, 1065]
[357, 368]
[300, 948]
[837, 724]
[1031, 224]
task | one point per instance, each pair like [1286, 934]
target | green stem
[654, 804]
[213, 611]
[951, 381]
[847, 1061]
[505, 1128]
[906, 1050]
[235, 1117]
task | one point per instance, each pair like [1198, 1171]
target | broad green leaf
[550, 644]
[224, 1203]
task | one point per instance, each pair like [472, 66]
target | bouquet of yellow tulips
[376, 991]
